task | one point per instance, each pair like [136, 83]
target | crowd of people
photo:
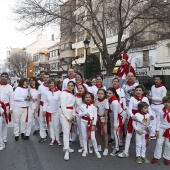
[86, 113]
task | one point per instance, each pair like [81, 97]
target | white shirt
[161, 121]
[34, 95]
[143, 121]
[157, 94]
[122, 99]
[67, 100]
[40, 82]
[42, 90]
[94, 90]
[78, 102]
[52, 101]
[102, 106]
[7, 95]
[129, 91]
[65, 82]
[92, 110]
[19, 97]
[133, 105]
[115, 110]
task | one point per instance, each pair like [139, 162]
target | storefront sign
[150, 47]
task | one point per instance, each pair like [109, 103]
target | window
[146, 58]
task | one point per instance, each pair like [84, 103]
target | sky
[9, 36]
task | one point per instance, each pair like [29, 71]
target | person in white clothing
[41, 80]
[122, 99]
[163, 133]
[33, 92]
[102, 119]
[20, 111]
[2, 114]
[132, 110]
[81, 91]
[142, 126]
[69, 78]
[94, 89]
[79, 80]
[117, 121]
[88, 114]
[158, 91]
[42, 89]
[51, 111]
[67, 115]
[7, 96]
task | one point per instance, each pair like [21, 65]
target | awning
[164, 64]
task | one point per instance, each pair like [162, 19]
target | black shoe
[22, 135]
[36, 132]
[61, 134]
[26, 137]
[111, 141]
[16, 138]
[47, 132]
[42, 140]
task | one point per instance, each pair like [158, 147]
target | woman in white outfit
[20, 112]
[67, 115]
[33, 92]
[51, 111]
[81, 91]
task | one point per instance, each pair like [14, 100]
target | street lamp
[86, 46]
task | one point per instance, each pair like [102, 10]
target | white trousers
[159, 144]
[19, 120]
[55, 126]
[66, 125]
[140, 145]
[43, 125]
[78, 119]
[155, 109]
[1, 120]
[127, 142]
[73, 132]
[85, 137]
[4, 125]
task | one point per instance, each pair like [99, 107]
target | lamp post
[86, 46]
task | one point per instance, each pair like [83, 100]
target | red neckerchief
[116, 87]
[101, 100]
[130, 84]
[3, 84]
[159, 85]
[71, 78]
[24, 87]
[88, 104]
[56, 89]
[99, 86]
[33, 87]
[46, 85]
[112, 99]
[68, 91]
[137, 98]
[166, 114]
[41, 80]
[79, 95]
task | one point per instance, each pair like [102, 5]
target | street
[31, 155]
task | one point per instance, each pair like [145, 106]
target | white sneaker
[123, 155]
[105, 153]
[66, 156]
[98, 154]
[115, 152]
[2, 146]
[80, 150]
[70, 150]
[4, 140]
[84, 154]
[52, 143]
[90, 149]
[99, 148]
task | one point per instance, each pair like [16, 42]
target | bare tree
[129, 20]
[18, 62]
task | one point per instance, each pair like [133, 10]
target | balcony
[67, 54]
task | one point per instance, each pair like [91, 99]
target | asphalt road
[31, 155]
